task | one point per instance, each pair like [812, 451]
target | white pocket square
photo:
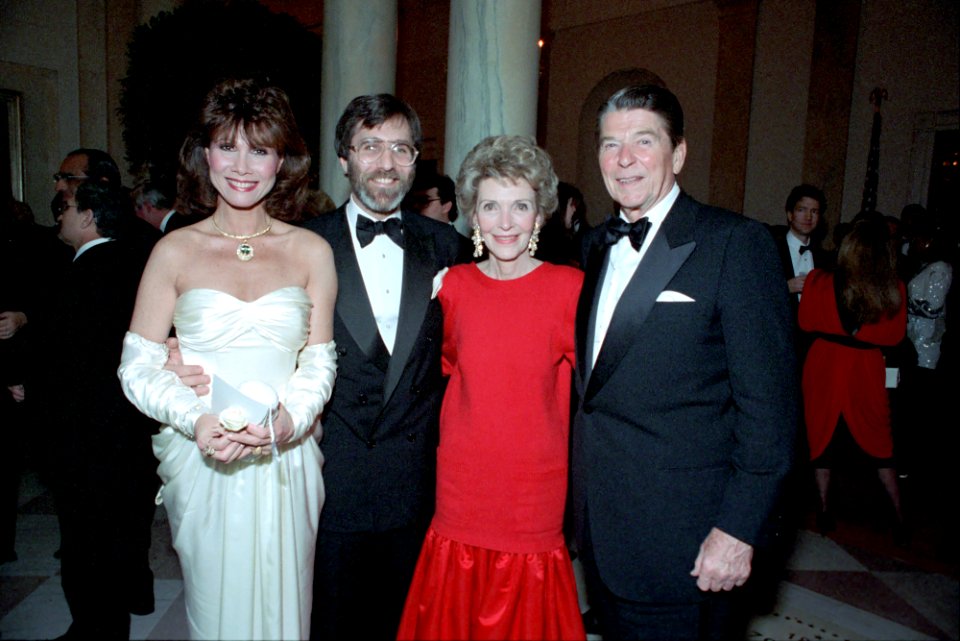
[670, 296]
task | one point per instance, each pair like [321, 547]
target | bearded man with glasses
[380, 426]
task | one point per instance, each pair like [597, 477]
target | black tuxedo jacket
[103, 470]
[687, 420]
[87, 413]
[822, 259]
[380, 426]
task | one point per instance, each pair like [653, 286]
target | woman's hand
[253, 440]
[215, 442]
[256, 439]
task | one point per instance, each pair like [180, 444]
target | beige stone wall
[678, 43]
[67, 56]
[913, 50]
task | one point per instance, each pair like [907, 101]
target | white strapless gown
[245, 532]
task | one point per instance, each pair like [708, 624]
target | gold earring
[534, 237]
[477, 241]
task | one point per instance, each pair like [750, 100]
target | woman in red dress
[852, 313]
[494, 564]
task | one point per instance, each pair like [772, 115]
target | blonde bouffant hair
[511, 158]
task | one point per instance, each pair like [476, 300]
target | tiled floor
[853, 584]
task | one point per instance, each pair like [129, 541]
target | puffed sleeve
[158, 393]
[310, 387]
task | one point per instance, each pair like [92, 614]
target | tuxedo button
[341, 351]
[411, 437]
[362, 399]
[371, 444]
[415, 390]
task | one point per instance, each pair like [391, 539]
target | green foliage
[178, 56]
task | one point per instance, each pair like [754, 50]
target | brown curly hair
[262, 113]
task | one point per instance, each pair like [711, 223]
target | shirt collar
[91, 243]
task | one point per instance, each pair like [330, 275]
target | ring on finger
[258, 451]
[209, 451]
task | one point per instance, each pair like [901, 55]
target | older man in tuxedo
[380, 425]
[687, 392]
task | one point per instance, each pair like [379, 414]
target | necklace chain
[239, 237]
[244, 249]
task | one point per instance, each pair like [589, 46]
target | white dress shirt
[381, 265]
[802, 263]
[622, 262]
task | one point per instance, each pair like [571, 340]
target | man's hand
[10, 323]
[723, 562]
[795, 284]
[191, 375]
[16, 391]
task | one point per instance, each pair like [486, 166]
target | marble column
[731, 109]
[492, 66]
[359, 57]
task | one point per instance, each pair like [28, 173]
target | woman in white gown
[251, 297]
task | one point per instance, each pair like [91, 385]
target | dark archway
[176, 58]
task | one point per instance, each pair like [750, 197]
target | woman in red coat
[852, 312]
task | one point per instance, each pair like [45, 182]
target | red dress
[494, 564]
[839, 379]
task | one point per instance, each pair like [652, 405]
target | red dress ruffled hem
[461, 591]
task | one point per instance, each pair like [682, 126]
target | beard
[379, 200]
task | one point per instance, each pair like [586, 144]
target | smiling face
[804, 217]
[506, 212]
[380, 186]
[243, 174]
[637, 159]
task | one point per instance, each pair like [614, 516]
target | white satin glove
[157, 392]
[310, 387]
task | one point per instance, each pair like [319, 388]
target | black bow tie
[368, 229]
[804, 248]
[617, 228]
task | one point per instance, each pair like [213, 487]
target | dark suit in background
[104, 471]
[380, 431]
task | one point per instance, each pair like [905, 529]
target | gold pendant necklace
[244, 249]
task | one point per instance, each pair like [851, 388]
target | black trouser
[361, 581]
[715, 618]
[105, 514]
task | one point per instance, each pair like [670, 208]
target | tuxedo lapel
[596, 265]
[418, 273]
[668, 251]
[353, 305]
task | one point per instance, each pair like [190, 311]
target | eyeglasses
[57, 177]
[63, 207]
[369, 151]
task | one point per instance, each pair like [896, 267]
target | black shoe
[56, 554]
[590, 623]
[8, 556]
